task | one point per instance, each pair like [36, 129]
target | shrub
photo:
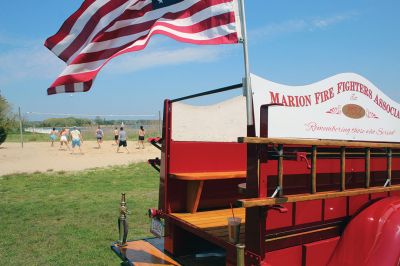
[3, 135]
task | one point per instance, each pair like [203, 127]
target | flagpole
[247, 81]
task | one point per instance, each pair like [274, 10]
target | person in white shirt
[76, 139]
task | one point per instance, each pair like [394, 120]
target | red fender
[372, 237]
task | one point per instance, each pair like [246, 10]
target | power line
[89, 115]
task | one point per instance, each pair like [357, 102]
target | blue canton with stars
[163, 3]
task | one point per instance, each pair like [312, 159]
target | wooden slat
[214, 223]
[318, 142]
[280, 170]
[302, 233]
[354, 153]
[367, 167]
[209, 214]
[208, 175]
[211, 220]
[194, 189]
[247, 203]
[314, 170]
[342, 168]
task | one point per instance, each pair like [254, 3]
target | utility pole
[20, 127]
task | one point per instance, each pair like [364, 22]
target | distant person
[76, 139]
[122, 139]
[141, 133]
[116, 133]
[64, 138]
[53, 136]
[67, 134]
[99, 136]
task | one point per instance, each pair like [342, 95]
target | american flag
[102, 29]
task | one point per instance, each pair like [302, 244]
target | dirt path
[39, 156]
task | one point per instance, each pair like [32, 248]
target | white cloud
[322, 23]
[34, 62]
[274, 29]
[30, 60]
[291, 26]
[136, 62]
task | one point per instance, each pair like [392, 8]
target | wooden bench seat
[196, 182]
[215, 222]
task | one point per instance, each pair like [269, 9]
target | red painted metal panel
[335, 208]
[318, 253]
[357, 202]
[333, 166]
[371, 238]
[163, 201]
[379, 195]
[308, 212]
[207, 157]
[285, 257]
[276, 219]
[394, 193]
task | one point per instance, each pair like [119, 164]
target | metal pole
[20, 127]
[240, 254]
[247, 81]
[159, 123]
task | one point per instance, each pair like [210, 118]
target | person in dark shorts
[122, 139]
[141, 134]
[116, 133]
[99, 136]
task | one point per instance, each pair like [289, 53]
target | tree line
[7, 119]
[10, 124]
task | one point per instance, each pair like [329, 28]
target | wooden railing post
[367, 167]
[342, 168]
[389, 166]
[280, 169]
[314, 170]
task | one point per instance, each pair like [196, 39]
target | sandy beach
[40, 156]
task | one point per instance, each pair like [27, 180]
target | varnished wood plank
[314, 170]
[319, 142]
[208, 175]
[321, 195]
[214, 223]
[194, 189]
[210, 214]
[302, 233]
[211, 224]
[280, 170]
[211, 218]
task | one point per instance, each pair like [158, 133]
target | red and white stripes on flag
[102, 29]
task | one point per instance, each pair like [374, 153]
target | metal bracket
[156, 142]
[302, 156]
[278, 188]
[155, 163]
[387, 183]
[279, 208]
[252, 259]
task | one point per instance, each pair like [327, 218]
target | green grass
[27, 136]
[64, 218]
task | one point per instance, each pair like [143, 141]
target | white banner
[343, 107]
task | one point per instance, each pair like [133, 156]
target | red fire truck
[316, 181]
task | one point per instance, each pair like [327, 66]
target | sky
[290, 42]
